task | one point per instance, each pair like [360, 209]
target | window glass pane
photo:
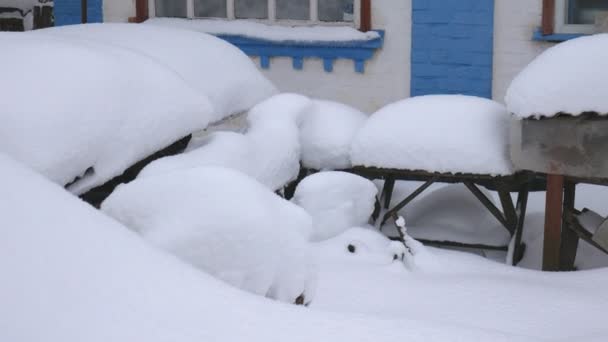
[293, 9]
[256, 9]
[210, 8]
[171, 8]
[584, 11]
[336, 10]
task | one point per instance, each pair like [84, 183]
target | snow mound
[208, 64]
[362, 246]
[567, 78]
[269, 151]
[437, 133]
[278, 33]
[336, 201]
[70, 273]
[224, 223]
[92, 122]
[327, 133]
[452, 213]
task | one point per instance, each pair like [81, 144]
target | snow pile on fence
[208, 64]
[269, 151]
[326, 135]
[569, 78]
[336, 201]
[114, 287]
[437, 133]
[224, 223]
[265, 31]
[87, 111]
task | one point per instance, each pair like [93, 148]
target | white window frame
[314, 14]
[561, 21]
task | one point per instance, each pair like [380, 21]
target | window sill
[555, 37]
[359, 51]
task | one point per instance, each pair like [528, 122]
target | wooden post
[553, 222]
[366, 15]
[141, 11]
[548, 20]
[569, 243]
[84, 11]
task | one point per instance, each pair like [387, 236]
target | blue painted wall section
[452, 46]
[67, 12]
[357, 51]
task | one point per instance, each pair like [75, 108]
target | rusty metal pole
[553, 222]
[366, 15]
[83, 11]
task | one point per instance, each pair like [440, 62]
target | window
[292, 11]
[578, 16]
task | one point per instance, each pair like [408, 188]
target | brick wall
[67, 12]
[452, 43]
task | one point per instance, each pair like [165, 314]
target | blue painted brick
[452, 47]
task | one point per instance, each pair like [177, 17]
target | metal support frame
[553, 222]
[569, 238]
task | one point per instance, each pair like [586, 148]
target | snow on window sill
[359, 51]
[555, 37]
[298, 42]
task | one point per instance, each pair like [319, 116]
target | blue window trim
[359, 51]
[555, 37]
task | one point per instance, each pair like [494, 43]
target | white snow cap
[269, 151]
[208, 64]
[327, 133]
[336, 201]
[437, 133]
[569, 78]
[113, 108]
[224, 223]
[271, 32]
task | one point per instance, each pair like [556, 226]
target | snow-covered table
[444, 139]
[562, 103]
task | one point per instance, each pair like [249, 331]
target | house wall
[387, 75]
[514, 23]
[452, 47]
[67, 12]
[118, 10]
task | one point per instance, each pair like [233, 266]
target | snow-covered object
[327, 133]
[208, 64]
[113, 108]
[336, 201]
[361, 245]
[70, 273]
[279, 33]
[269, 151]
[224, 223]
[452, 213]
[437, 133]
[569, 78]
[21, 4]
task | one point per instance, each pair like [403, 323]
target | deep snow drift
[569, 78]
[208, 64]
[336, 201]
[224, 223]
[72, 274]
[437, 133]
[269, 150]
[113, 108]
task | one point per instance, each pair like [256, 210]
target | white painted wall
[514, 23]
[118, 10]
[387, 75]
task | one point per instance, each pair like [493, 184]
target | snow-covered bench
[445, 139]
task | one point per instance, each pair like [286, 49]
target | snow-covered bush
[336, 201]
[269, 151]
[437, 133]
[224, 223]
[208, 64]
[326, 135]
[88, 111]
